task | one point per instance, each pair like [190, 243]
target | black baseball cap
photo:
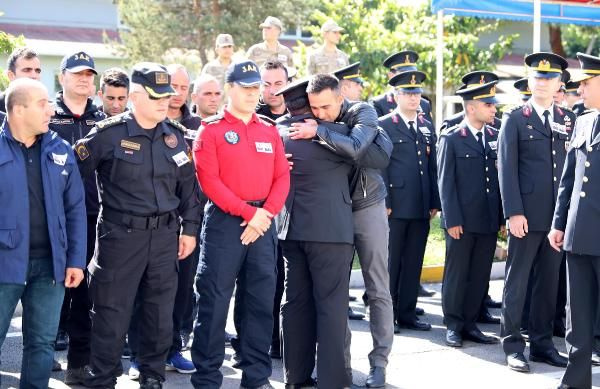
[75, 63]
[244, 73]
[154, 78]
[484, 92]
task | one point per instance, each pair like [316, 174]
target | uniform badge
[130, 145]
[181, 158]
[82, 151]
[395, 119]
[171, 140]
[90, 122]
[493, 145]
[264, 147]
[232, 137]
[59, 159]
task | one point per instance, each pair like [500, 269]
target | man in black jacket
[369, 149]
[316, 235]
[75, 115]
[412, 195]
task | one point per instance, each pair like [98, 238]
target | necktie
[480, 140]
[547, 122]
[411, 127]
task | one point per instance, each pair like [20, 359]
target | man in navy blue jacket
[42, 225]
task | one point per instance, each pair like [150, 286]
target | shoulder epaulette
[449, 130]
[267, 120]
[111, 121]
[178, 125]
[213, 118]
[513, 109]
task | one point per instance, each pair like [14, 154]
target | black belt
[138, 222]
[256, 203]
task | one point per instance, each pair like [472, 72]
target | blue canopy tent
[584, 12]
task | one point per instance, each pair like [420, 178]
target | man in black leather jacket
[369, 148]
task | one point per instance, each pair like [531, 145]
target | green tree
[580, 39]
[155, 26]
[8, 43]
[376, 28]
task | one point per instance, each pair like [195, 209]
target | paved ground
[418, 360]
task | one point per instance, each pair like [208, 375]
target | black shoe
[150, 383]
[354, 315]
[453, 338]
[424, 292]
[62, 341]
[559, 329]
[309, 383]
[550, 357]
[475, 335]
[396, 329]
[491, 303]
[376, 377]
[365, 299]
[487, 318]
[351, 298]
[419, 311]
[517, 362]
[416, 325]
[56, 366]
[75, 376]
[596, 358]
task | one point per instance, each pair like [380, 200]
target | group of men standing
[296, 176]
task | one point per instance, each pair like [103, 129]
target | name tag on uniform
[90, 122]
[264, 147]
[559, 128]
[191, 134]
[282, 58]
[493, 145]
[181, 158]
[59, 159]
[425, 130]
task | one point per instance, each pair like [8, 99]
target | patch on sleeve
[82, 151]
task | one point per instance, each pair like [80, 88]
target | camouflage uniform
[321, 61]
[259, 53]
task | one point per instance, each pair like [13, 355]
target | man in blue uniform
[149, 219]
[471, 211]
[574, 230]
[532, 148]
[413, 198]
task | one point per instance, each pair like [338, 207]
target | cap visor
[411, 90]
[581, 77]
[546, 75]
[490, 100]
[78, 69]
[251, 82]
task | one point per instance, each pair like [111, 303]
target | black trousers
[466, 278]
[315, 311]
[76, 306]
[530, 252]
[583, 280]
[408, 239]
[130, 262]
[222, 260]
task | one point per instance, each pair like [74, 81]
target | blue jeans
[41, 299]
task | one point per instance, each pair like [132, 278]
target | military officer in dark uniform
[574, 230]
[522, 85]
[571, 94]
[470, 81]
[531, 152]
[317, 236]
[399, 62]
[471, 211]
[413, 198]
[149, 219]
[243, 171]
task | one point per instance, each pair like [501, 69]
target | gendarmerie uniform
[470, 197]
[317, 236]
[402, 61]
[148, 195]
[241, 167]
[471, 80]
[531, 152]
[411, 180]
[577, 215]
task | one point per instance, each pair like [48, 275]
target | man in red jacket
[243, 171]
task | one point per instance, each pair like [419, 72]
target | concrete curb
[429, 274]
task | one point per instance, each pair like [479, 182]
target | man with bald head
[178, 109]
[207, 95]
[43, 230]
